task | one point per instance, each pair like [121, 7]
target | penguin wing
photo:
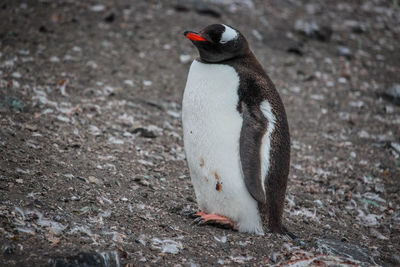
[254, 127]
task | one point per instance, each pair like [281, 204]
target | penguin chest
[211, 128]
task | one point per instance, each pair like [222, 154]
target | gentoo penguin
[236, 134]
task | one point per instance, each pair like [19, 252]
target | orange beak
[194, 36]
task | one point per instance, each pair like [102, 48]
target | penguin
[236, 135]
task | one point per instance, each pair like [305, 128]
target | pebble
[54, 59]
[185, 58]
[395, 146]
[94, 180]
[393, 93]
[92, 64]
[313, 30]
[257, 35]
[63, 118]
[97, 8]
[363, 134]
[355, 26]
[147, 83]
[345, 52]
[16, 75]
[128, 82]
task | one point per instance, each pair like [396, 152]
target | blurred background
[92, 169]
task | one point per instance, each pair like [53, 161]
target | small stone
[31, 127]
[128, 82]
[378, 235]
[94, 180]
[318, 202]
[19, 181]
[68, 58]
[223, 239]
[77, 49]
[97, 8]
[295, 89]
[94, 130]
[109, 90]
[393, 94]
[15, 84]
[63, 118]
[355, 26]
[174, 114]
[379, 188]
[54, 59]
[330, 84]
[389, 109]
[115, 141]
[141, 181]
[345, 52]
[92, 64]
[363, 134]
[16, 75]
[380, 57]
[257, 35]
[147, 83]
[356, 104]
[312, 30]
[143, 132]
[185, 58]
[395, 146]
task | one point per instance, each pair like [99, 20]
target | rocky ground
[92, 164]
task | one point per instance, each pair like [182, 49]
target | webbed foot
[282, 230]
[203, 218]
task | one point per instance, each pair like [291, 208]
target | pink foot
[203, 218]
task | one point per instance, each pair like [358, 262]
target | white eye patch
[228, 35]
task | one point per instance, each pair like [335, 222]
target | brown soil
[91, 154]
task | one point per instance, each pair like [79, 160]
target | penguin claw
[201, 222]
[202, 218]
[191, 214]
[284, 231]
[197, 214]
[289, 234]
[198, 221]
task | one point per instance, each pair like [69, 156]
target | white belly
[211, 129]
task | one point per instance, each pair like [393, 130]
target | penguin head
[219, 42]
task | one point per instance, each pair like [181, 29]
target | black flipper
[254, 127]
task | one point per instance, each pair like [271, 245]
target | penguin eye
[213, 38]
